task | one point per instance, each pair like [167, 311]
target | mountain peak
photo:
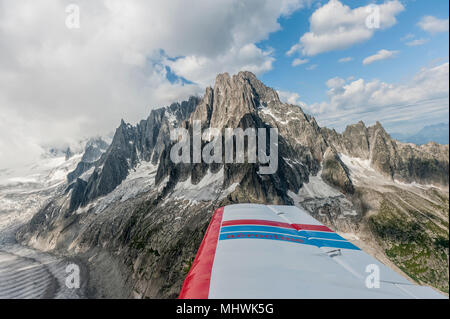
[247, 75]
[245, 82]
[242, 75]
[361, 123]
[232, 97]
[377, 128]
[222, 77]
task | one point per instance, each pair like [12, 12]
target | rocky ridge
[144, 216]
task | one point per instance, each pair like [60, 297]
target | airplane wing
[258, 251]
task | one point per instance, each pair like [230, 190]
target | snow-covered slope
[26, 272]
[23, 191]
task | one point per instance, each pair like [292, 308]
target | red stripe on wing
[312, 227]
[197, 282]
[276, 224]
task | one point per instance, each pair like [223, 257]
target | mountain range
[431, 133]
[135, 218]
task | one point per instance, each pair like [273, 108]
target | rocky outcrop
[240, 101]
[93, 151]
[335, 172]
[131, 144]
[232, 98]
[426, 164]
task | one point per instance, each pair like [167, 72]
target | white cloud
[297, 62]
[424, 98]
[416, 42]
[312, 67]
[380, 55]
[407, 37]
[203, 70]
[345, 60]
[58, 85]
[336, 82]
[293, 49]
[290, 97]
[335, 26]
[433, 25]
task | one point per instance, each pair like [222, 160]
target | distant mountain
[437, 133]
[130, 212]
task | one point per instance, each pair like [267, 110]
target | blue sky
[311, 84]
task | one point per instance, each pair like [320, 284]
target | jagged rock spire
[231, 98]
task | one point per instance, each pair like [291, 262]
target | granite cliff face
[130, 145]
[425, 164]
[138, 218]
